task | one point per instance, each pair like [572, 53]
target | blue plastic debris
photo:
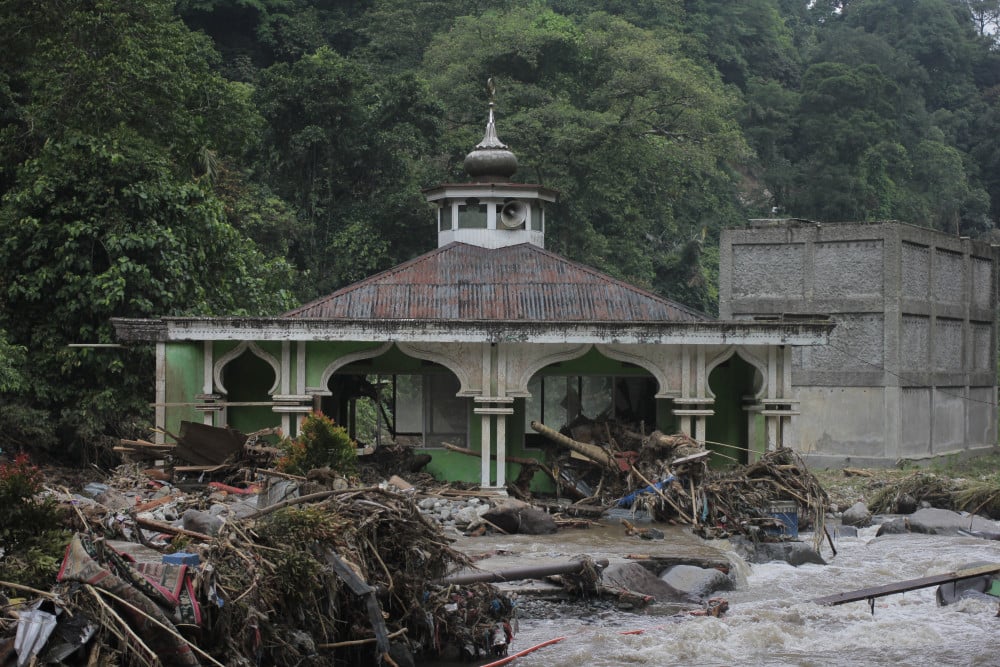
[630, 498]
[181, 558]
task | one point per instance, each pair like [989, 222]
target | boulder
[793, 553]
[857, 515]
[515, 516]
[699, 581]
[634, 577]
[903, 525]
[953, 591]
[946, 522]
[845, 531]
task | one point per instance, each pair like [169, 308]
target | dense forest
[199, 157]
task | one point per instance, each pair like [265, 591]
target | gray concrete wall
[910, 371]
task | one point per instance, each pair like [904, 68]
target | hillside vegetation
[206, 157]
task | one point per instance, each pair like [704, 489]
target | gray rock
[902, 525]
[426, 504]
[793, 553]
[634, 577]
[845, 531]
[201, 522]
[695, 580]
[946, 522]
[857, 515]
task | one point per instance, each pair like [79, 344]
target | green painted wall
[249, 378]
[184, 375]
[319, 355]
[730, 382]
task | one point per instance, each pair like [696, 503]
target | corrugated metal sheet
[521, 283]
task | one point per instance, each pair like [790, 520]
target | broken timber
[902, 586]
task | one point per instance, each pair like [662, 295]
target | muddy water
[770, 620]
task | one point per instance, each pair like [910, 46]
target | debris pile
[668, 476]
[212, 550]
[335, 577]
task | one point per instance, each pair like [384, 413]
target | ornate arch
[759, 364]
[237, 352]
[640, 356]
[340, 362]
[465, 360]
[524, 362]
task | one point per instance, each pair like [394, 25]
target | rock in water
[857, 515]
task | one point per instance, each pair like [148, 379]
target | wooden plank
[908, 585]
[201, 444]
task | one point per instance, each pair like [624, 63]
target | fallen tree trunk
[592, 452]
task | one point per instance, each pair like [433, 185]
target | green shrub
[320, 443]
[31, 534]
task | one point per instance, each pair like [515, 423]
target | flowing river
[771, 620]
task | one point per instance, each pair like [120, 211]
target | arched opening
[732, 381]
[395, 399]
[248, 379]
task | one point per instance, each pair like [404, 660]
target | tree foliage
[236, 156]
[108, 210]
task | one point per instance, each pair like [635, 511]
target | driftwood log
[592, 452]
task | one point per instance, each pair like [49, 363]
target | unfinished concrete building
[910, 371]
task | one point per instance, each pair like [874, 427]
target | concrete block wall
[910, 371]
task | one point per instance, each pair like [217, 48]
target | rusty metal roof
[523, 283]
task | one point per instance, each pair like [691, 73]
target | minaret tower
[490, 211]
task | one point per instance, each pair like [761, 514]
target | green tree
[116, 129]
[345, 151]
[638, 138]
[745, 40]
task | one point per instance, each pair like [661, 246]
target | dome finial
[490, 159]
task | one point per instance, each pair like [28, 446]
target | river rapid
[771, 620]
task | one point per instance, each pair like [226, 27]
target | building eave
[740, 332]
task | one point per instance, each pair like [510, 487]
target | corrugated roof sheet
[522, 283]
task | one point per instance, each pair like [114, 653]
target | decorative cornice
[450, 331]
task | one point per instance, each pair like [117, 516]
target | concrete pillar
[160, 412]
[486, 453]
[208, 418]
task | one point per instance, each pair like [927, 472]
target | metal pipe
[518, 573]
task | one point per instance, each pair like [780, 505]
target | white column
[207, 381]
[286, 366]
[501, 451]
[484, 475]
[487, 434]
[300, 368]
[499, 365]
[160, 412]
